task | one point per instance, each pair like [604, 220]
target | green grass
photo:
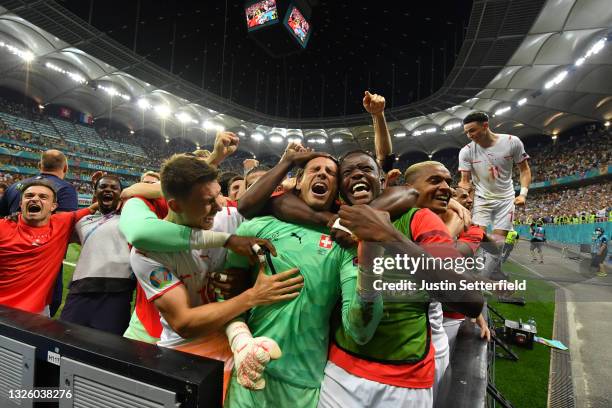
[74, 250]
[525, 382]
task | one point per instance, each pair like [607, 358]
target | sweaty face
[360, 182]
[318, 185]
[37, 204]
[108, 192]
[476, 131]
[433, 185]
[199, 208]
[463, 197]
[236, 190]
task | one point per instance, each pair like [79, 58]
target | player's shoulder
[467, 148]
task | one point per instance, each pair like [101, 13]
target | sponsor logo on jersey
[160, 277]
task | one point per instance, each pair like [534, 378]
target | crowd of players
[273, 274]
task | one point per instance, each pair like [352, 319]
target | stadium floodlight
[241, 134]
[27, 56]
[451, 126]
[337, 140]
[143, 104]
[554, 137]
[183, 117]
[294, 140]
[501, 111]
[276, 139]
[430, 156]
[598, 46]
[125, 97]
[167, 140]
[258, 137]
[522, 101]
[131, 132]
[607, 123]
[400, 134]
[579, 61]
[162, 111]
[321, 141]
[556, 80]
[417, 133]
[312, 141]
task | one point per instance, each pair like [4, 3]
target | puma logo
[293, 234]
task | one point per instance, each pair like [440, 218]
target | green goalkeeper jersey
[301, 326]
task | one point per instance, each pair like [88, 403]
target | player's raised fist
[373, 103]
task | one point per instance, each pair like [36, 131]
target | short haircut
[363, 152]
[38, 182]
[180, 173]
[235, 178]
[224, 181]
[3, 186]
[52, 160]
[480, 117]
[108, 176]
[412, 171]
[150, 173]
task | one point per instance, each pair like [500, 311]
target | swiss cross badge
[325, 242]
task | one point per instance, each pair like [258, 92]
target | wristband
[341, 227]
[204, 239]
[524, 191]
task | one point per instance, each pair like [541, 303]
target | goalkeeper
[301, 326]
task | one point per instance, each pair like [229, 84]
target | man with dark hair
[53, 167]
[253, 175]
[176, 281]
[301, 326]
[397, 366]
[486, 164]
[101, 287]
[463, 197]
[224, 181]
[236, 188]
[32, 248]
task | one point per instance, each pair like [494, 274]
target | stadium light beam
[258, 137]
[502, 110]
[183, 117]
[400, 134]
[143, 104]
[522, 101]
[162, 111]
[337, 140]
[276, 139]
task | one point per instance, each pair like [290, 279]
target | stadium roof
[525, 55]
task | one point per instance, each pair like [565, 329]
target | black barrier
[196, 381]
[464, 384]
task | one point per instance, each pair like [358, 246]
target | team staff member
[101, 287]
[32, 248]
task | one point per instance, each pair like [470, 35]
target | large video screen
[299, 27]
[261, 13]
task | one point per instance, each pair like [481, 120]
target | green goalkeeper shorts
[276, 394]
